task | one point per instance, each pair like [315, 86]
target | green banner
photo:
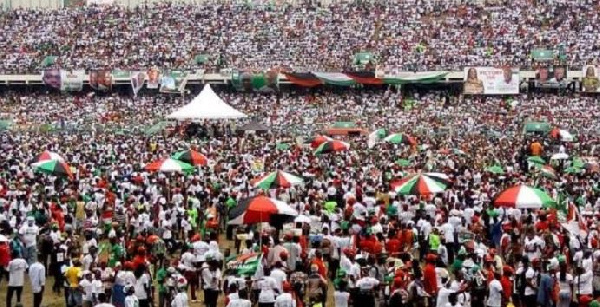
[542, 55]
[363, 58]
[121, 74]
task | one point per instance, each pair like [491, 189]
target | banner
[590, 82]
[138, 79]
[255, 81]
[51, 78]
[153, 78]
[173, 82]
[72, 81]
[101, 80]
[551, 76]
[491, 80]
[121, 74]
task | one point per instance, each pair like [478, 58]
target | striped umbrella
[55, 168]
[523, 197]
[318, 140]
[191, 157]
[47, 155]
[332, 146]
[260, 209]
[398, 138]
[548, 172]
[422, 184]
[276, 180]
[169, 165]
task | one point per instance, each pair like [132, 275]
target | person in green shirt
[434, 240]
[161, 277]
[457, 264]
[193, 214]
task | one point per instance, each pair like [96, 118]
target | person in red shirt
[318, 261]
[4, 258]
[507, 284]
[393, 244]
[429, 279]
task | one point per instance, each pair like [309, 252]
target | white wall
[49, 4]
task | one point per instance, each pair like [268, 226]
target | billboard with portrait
[590, 82]
[491, 80]
[551, 76]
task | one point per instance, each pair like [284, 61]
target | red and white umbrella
[46, 156]
[523, 197]
[169, 165]
[259, 209]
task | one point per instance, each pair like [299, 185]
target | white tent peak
[207, 105]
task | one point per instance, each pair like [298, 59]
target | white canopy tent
[207, 105]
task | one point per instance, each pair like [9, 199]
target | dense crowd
[402, 35]
[115, 231]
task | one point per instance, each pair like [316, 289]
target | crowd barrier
[218, 78]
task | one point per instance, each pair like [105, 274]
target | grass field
[57, 300]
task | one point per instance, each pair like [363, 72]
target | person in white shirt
[104, 302]
[142, 287]
[341, 295]
[86, 287]
[279, 275]
[16, 278]
[97, 287]
[285, 299]
[28, 233]
[268, 289]
[240, 299]
[130, 300]
[495, 292]
[37, 275]
[180, 299]
[211, 278]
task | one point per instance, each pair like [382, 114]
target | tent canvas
[207, 105]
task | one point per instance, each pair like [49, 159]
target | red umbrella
[259, 209]
[318, 140]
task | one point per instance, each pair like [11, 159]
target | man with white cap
[181, 298]
[28, 233]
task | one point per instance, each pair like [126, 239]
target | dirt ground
[57, 300]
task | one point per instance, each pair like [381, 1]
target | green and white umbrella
[422, 184]
[276, 180]
[398, 138]
[54, 168]
[496, 169]
[536, 160]
[523, 197]
[548, 172]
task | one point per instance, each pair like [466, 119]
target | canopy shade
[207, 105]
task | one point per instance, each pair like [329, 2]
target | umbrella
[398, 138]
[282, 146]
[536, 160]
[559, 156]
[47, 155]
[573, 170]
[169, 165]
[259, 209]
[276, 180]
[332, 146]
[563, 135]
[191, 157]
[548, 172]
[403, 162]
[523, 197]
[3, 238]
[497, 170]
[422, 184]
[55, 168]
[302, 219]
[376, 136]
[318, 140]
